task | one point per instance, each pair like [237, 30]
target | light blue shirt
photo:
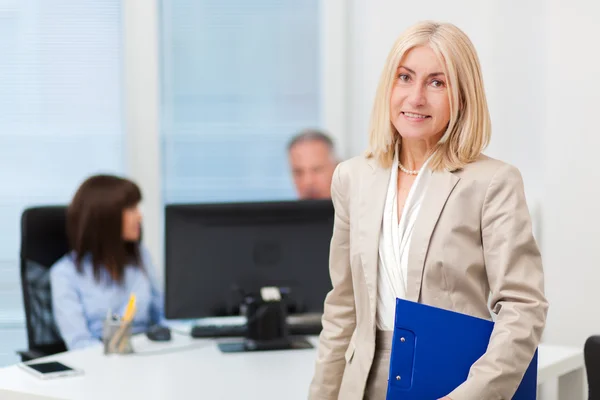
[80, 303]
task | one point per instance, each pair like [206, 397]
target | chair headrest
[44, 234]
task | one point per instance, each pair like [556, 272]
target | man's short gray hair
[308, 135]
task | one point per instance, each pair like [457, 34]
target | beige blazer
[473, 237]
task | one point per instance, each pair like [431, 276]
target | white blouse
[394, 244]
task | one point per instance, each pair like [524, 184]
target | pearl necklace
[406, 170]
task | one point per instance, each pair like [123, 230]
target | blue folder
[433, 350]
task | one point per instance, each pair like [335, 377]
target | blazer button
[398, 378]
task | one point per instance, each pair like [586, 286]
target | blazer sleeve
[339, 315]
[514, 270]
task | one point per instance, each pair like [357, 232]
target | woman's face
[132, 221]
[419, 103]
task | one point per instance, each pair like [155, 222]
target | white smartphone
[49, 369]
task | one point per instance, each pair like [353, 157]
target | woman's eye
[403, 77]
[437, 83]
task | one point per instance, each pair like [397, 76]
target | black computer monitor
[216, 253]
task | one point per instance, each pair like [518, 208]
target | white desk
[564, 367]
[193, 368]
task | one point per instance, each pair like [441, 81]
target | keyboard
[305, 324]
[209, 331]
[235, 326]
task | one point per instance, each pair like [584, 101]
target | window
[60, 119]
[239, 78]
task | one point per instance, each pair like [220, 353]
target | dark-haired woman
[105, 265]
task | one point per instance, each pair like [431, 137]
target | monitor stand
[266, 323]
[246, 345]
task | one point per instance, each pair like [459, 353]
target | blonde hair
[469, 129]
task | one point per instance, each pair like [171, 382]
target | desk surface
[195, 368]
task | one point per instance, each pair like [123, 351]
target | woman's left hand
[445, 398]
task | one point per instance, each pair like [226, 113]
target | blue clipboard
[433, 350]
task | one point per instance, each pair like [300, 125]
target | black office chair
[591, 354]
[43, 242]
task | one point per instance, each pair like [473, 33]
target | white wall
[571, 211]
[141, 93]
[540, 65]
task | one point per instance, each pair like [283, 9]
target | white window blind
[239, 78]
[60, 115]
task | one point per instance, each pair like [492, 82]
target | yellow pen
[130, 310]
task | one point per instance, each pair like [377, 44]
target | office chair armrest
[27, 355]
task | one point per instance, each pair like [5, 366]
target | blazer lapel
[440, 187]
[372, 202]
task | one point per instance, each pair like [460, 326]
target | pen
[130, 310]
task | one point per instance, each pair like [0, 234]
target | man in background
[312, 160]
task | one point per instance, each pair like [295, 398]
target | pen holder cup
[117, 337]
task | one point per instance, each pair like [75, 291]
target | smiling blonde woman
[425, 216]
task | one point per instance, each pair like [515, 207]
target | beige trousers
[378, 375]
